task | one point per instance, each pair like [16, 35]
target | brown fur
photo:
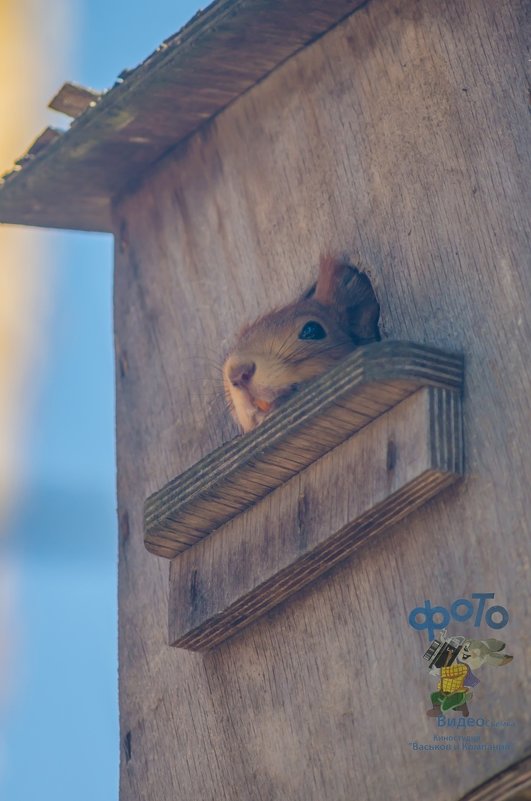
[345, 306]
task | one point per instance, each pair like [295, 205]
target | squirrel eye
[312, 330]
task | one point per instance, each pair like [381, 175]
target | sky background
[60, 738]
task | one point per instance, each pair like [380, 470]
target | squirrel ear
[351, 293]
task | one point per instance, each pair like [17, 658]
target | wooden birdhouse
[279, 589]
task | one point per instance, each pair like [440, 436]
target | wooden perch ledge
[364, 386]
[353, 453]
[389, 417]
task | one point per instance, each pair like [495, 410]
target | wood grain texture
[193, 75]
[363, 386]
[400, 139]
[360, 488]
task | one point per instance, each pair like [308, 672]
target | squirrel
[280, 352]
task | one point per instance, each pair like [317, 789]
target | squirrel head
[278, 353]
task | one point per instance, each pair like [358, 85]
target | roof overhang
[69, 179]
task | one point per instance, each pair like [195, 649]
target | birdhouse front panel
[395, 140]
[323, 574]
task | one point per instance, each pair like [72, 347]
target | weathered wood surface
[366, 384]
[192, 76]
[73, 99]
[44, 139]
[365, 485]
[399, 138]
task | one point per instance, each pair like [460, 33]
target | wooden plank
[41, 143]
[352, 493]
[366, 144]
[73, 99]
[220, 54]
[237, 474]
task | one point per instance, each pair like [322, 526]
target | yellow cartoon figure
[452, 659]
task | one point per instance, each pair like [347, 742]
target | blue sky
[62, 728]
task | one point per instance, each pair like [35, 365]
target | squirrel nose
[241, 374]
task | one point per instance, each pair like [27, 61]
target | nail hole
[193, 588]
[124, 237]
[127, 746]
[123, 364]
[391, 455]
[124, 527]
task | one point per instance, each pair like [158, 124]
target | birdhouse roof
[69, 179]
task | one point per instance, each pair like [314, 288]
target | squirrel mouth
[266, 406]
[263, 405]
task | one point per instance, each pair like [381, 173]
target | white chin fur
[248, 416]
